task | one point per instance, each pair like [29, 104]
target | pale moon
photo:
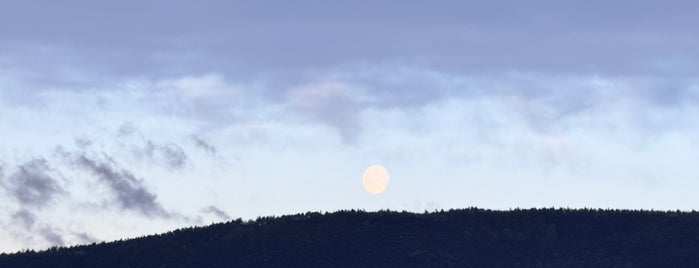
[375, 179]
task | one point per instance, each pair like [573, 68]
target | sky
[127, 118]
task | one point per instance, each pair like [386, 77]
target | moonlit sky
[125, 118]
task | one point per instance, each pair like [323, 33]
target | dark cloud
[210, 149]
[217, 212]
[127, 190]
[25, 218]
[32, 184]
[52, 236]
[84, 238]
[237, 36]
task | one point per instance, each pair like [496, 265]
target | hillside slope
[460, 238]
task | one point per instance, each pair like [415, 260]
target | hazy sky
[130, 117]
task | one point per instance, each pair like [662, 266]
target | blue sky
[138, 117]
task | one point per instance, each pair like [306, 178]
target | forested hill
[459, 238]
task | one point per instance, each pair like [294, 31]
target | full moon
[375, 179]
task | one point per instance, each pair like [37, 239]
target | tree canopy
[458, 238]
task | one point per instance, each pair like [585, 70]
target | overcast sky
[128, 118]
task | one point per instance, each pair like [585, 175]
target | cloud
[127, 190]
[127, 129]
[170, 155]
[52, 236]
[84, 238]
[25, 218]
[83, 143]
[30, 226]
[33, 185]
[217, 212]
[208, 148]
[244, 37]
[332, 103]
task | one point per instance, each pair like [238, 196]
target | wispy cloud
[217, 212]
[52, 236]
[170, 155]
[29, 225]
[33, 184]
[127, 190]
[201, 144]
[84, 238]
[331, 103]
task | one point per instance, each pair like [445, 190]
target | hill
[457, 238]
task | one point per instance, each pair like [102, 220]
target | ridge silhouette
[456, 238]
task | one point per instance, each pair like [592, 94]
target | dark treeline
[458, 238]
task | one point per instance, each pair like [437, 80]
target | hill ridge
[470, 237]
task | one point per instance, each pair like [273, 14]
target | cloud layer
[244, 37]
